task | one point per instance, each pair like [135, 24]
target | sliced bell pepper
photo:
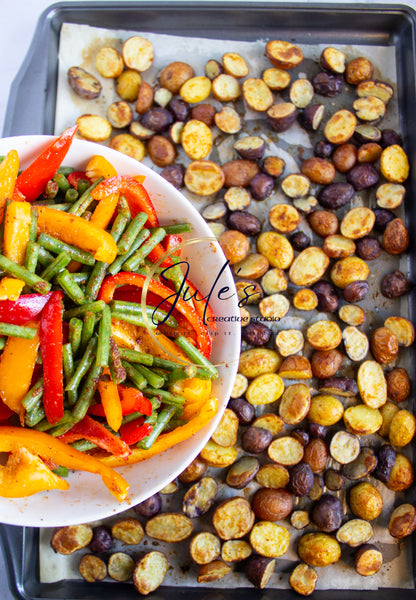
[76, 176]
[23, 309]
[110, 401]
[77, 231]
[5, 412]
[17, 364]
[135, 194]
[95, 432]
[167, 440]
[99, 166]
[133, 432]
[201, 305]
[48, 447]
[51, 342]
[11, 288]
[104, 211]
[16, 238]
[110, 284]
[25, 474]
[9, 169]
[32, 181]
[132, 400]
[170, 242]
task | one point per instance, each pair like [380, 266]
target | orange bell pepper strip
[9, 169]
[47, 447]
[135, 194]
[167, 440]
[204, 342]
[98, 166]
[26, 474]
[104, 211]
[32, 181]
[77, 231]
[17, 364]
[110, 400]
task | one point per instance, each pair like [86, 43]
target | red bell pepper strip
[91, 430]
[32, 181]
[75, 177]
[24, 309]
[135, 194]
[204, 342]
[131, 401]
[51, 342]
[170, 242]
[201, 306]
[5, 412]
[133, 432]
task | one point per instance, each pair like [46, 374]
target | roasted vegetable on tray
[83, 380]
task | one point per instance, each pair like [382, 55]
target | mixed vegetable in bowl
[105, 347]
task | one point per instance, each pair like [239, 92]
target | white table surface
[19, 19]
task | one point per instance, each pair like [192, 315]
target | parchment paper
[78, 47]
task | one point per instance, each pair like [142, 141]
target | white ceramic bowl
[87, 498]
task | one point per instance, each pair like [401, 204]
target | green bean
[121, 260]
[32, 280]
[45, 258]
[50, 191]
[35, 416]
[71, 289]
[136, 377]
[83, 445]
[33, 230]
[54, 245]
[83, 185]
[61, 471]
[71, 195]
[63, 207]
[92, 307]
[65, 170]
[181, 373]
[84, 200]
[80, 277]
[60, 262]
[195, 355]
[165, 396]
[43, 425]
[74, 335]
[68, 361]
[136, 309]
[123, 207]
[104, 333]
[131, 417]
[3, 341]
[154, 380]
[32, 256]
[120, 223]
[87, 329]
[133, 319]
[118, 373]
[64, 425]
[136, 357]
[83, 366]
[138, 257]
[178, 228]
[32, 397]
[131, 232]
[19, 331]
[62, 182]
[163, 419]
[95, 280]
[86, 396]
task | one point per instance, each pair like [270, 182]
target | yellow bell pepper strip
[51, 342]
[11, 288]
[110, 400]
[9, 169]
[16, 238]
[17, 363]
[32, 181]
[99, 166]
[26, 474]
[104, 211]
[47, 447]
[110, 284]
[77, 231]
[167, 440]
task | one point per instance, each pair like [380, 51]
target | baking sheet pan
[303, 24]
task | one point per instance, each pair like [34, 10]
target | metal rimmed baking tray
[308, 24]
